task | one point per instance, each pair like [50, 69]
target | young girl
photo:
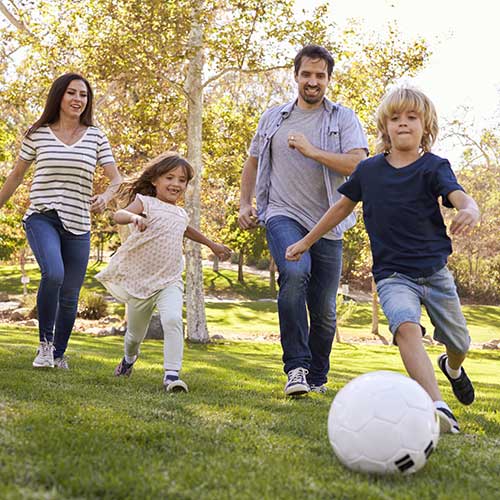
[65, 148]
[400, 189]
[146, 271]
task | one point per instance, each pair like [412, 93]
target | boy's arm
[468, 212]
[218, 249]
[335, 214]
[131, 215]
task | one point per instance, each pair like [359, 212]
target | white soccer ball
[383, 422]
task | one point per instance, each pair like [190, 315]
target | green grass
[86, 434]
[222, 284]
[260, 318]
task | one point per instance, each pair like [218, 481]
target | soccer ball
[383, 422]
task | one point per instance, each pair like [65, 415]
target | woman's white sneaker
[44, 355]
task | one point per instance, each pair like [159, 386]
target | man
[301, 153]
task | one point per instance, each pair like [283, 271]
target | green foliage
[477, 279]
[92, 305]
[230, 437]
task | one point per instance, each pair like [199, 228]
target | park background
[195, 77]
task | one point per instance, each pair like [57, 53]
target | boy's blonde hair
[406, 99]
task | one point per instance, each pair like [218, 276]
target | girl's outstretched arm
[131, 215]
[335, 214]
[222, 251]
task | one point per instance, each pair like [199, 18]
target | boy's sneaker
[172, 383]
[320, 389]
[44, 355]
[124, 369]
[462, 386]
[61, 363]
[297, 382]
[447, 421]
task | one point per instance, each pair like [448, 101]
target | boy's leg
[443, 306]
[400, 299]
[415, 358]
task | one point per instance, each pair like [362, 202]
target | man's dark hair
[314, 52]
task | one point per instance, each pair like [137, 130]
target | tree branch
[13, 20]
[241, 70]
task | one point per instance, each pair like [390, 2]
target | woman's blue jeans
[309, 285]
[62, 257]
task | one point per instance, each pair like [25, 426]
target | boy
[399, 189]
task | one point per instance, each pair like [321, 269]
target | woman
[66, 148]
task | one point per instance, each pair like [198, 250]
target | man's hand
[294, 252]
[464, 221]
[300, 142]
[248, 217]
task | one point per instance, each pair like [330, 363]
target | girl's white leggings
[139, 311]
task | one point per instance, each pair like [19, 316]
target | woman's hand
[222, 251]
[98, 203]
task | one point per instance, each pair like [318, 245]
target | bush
[479, 284]
[29, 301]
[92, 305]
[263, 264]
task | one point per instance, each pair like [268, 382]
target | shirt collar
[287, 109]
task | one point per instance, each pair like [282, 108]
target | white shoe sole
[445, 424]
[177, 386]
[297, 390]
[44, 365]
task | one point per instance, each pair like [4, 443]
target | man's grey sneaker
[124, 369]
[297, 382]
[44, 356]
[320, 389]
[172, 383]
[462, 386]
[447, 421]
[61, 363]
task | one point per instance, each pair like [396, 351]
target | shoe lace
[297, 375]
[46, 348]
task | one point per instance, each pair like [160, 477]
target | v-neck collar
[63, 143]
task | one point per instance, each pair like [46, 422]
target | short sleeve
[444, 182]
[104, 153]
[352, 135]
[352, 187]
[28, 151]
[145, 202]
[255, 146]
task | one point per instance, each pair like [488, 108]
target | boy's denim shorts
[401, 298]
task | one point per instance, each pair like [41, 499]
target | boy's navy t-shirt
[401, 213]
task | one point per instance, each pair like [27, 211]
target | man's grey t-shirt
[297, 183]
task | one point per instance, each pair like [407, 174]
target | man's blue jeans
[62, 257]
[307, 285]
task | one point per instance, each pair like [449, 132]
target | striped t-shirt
[63, 174]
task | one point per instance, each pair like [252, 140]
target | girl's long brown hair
[143, 184]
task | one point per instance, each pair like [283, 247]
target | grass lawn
[260, 318]
[86, 434]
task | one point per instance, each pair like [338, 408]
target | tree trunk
[374, 308]
[375, 314]
[240, 267]
[272, 276]
[195, 301]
